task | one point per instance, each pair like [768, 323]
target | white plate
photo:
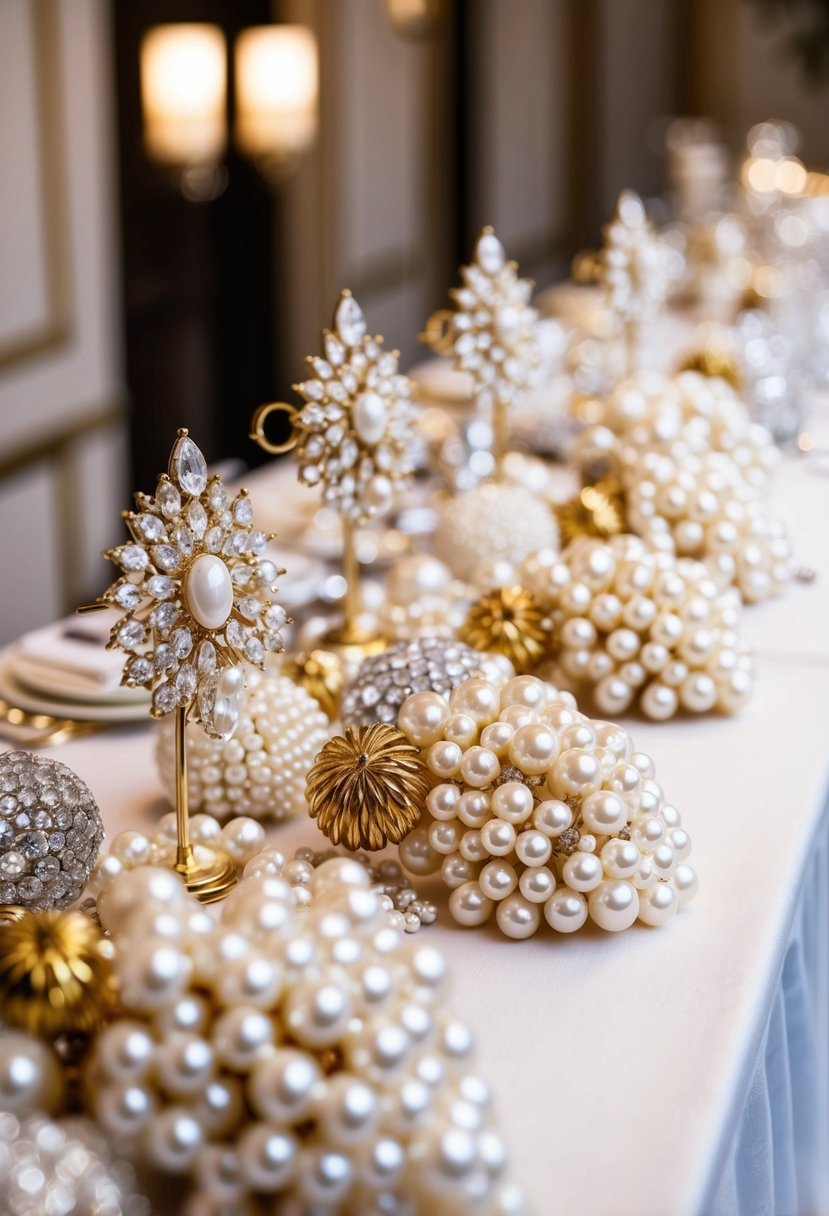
[67, 685]
[82, 711]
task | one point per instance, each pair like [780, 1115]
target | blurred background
[169, 253]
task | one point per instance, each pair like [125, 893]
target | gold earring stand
[350, 638]
[207, 872]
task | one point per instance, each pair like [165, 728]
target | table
[647, 1074]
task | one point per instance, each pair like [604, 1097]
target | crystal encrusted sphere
[384, 681]
[492, 522]
[261, 770]
[537, 812]
[50, 832]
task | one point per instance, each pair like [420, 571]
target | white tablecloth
[672, 1071]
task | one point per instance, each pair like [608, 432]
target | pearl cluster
[50, 832]
[492, 522]
[636, 267]
[634, 625]
[241, 838]
[405, 908]
[384, 681]
[701, 507]
[50, 1168]
[681, 414]
[536, 808]
[291, 1054]
[423, 600]
[261, 770]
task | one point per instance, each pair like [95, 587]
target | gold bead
[509, 621]
[321, 674]
[367, 787]
[56, 974]
[598, 510]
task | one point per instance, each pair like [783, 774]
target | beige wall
[62, 437]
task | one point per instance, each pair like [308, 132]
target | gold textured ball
[714, 361]
[322, 676]
[368, 787]
[509, 621]
[56, 974]
[597, 510]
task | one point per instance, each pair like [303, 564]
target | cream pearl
[316, 1012]
[659, 701]
[614, 905]
[473, 807]
[479, 766]
[552, 817]
[268, 1158]
[533, 848]
[582, 871]
[417, 855]
[124, 1109]
[184, 1065]
[336, 873]
[513, 801]
[472, 846]
[497, 879]
[173, 1140]
[698, 693]
[242, 1035]
[153, 974]
[565, 910]
[461, 729]
[443, 802]
[528, 691]
[575, 773]
[457, 870]
[208, 591]
[658, 904]
[444, 759]
[497, 737]
[612, 695]
[620, 858]
[516, 716]
[604, 812]
[533, 749]
[242, 838]
[517, 917]
[349, 1112]
[124, 1050]
[131, 848]
[685, 883]
[444, 837]
[498, 838]
[537, 884]
[477, 698]
[422, 716]
[30, 1074]
[284, 1086]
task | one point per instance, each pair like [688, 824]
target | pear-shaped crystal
[188, 467]
[349, 321]
[489, 252]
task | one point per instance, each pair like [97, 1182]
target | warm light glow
[276, 92]
[412, 18]
[760, 174]
[790, 176]
[183, 93]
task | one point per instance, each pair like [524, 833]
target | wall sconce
[413, 18]
[276, 96]
[184, 95]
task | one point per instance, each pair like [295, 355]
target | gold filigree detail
[367, 787]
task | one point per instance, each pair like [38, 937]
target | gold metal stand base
[352, 643]
[208, 873]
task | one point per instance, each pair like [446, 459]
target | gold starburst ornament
[321, 674]
[368, 787]
[597, 510]
[509, 621]
[56, 974]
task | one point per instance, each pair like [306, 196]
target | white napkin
[69, 656]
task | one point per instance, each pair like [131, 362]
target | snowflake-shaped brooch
[194, 594]
[353, 433]
[492, 332]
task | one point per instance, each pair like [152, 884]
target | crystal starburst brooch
[194, 593]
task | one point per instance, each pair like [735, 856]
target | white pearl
[658, 701]
[444, 837]
[267, 1158]
[537, 884]
[472, 846]
[208, 591]
[282, 1088]
[421, 718]
[685, 883]
[533, 848]
[498, 837]
[512, 801]
[337, 872]
[444, 759]
[517, 917]
[477, 698]
[496, 737]
[368, 417]
[443, 801]
[417, 855]
[552, 817]
[497, 879]
[242, 1035]
[533, 749]
[565, 910]
[479, 766]
[461, 729]
[30, 1074]
[658, 904]
[582, 871]
[620, 858]
[173, 1140]
[473, 807]
[604, 812]
[576, 773]
[614, 905]
[456, 871]
[528, 691]
[242, 838]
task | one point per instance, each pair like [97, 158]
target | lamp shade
[276, 92]
[184, 93]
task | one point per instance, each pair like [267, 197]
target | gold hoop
[257, 427]
[438, 333]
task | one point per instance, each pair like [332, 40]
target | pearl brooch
[49, 1166]
[384, 681]
[261, 771]
[635, 626]
[289, 1051]
[50, 832]
[493, 521]
[542, 812]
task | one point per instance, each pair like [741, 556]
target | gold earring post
[350, 634]
[210, 875]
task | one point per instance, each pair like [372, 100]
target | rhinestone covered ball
[50, 832]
